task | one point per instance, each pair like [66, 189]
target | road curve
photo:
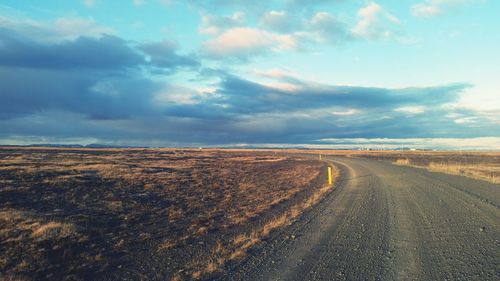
[386, 222]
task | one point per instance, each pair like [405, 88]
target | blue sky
[221, 72]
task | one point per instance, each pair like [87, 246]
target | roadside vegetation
[149, 214]
[485, 171]
[473, 164]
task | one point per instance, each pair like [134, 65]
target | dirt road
[386, 222]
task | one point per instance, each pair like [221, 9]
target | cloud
[211, 24]
[87, 84]
[92, 77]
[279, 21]
[242, 95]
[246, 111]
[484, 143]
[273, 73]
[411, 109]
[57, 30]
[100, 53]
[326, 28]
[242, 42]
[54, 48]
[164, 55]
[433, 8]
[93, 94]
[111, 107]
[275, 34]
[346, 112]
[176, 94]
[375, 22]
[279, 30]
[425, 10]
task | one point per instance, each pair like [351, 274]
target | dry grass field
[487, 171]
[83, 214]
[478, 165]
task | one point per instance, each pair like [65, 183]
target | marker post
[329, 175]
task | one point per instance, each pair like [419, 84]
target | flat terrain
[245, 215]
[387, 222]
[156, 214]
[474, 164]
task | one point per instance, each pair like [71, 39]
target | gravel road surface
[386, 222]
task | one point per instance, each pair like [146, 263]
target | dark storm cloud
[95, 94]
[98, 77]
[237, 97]
[106, 52]
[164, 55]
[116, 107]
[249, 112]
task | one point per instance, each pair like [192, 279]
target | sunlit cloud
[242, 42]
[375, 22]
[411, 109]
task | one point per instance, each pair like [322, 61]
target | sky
[319, 73]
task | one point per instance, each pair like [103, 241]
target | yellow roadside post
[320, 157]
[329, 175]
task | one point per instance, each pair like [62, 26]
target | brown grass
[402, 162]
[53, 230]
[239, 244]
[27, 222]
[488, 171]
[482, 165]
[87, 209]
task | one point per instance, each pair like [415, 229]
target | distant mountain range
[93, 145]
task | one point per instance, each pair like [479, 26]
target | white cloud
[245, 41]
[64, 28]
[483, 143]
[211, 24]
[375, 22]
[425, 10]
[325, 28]
[283, 86]
[278, 30]
[275, 73]
[345, 112]
[411, 109]
[179, 95]
[277, 21]
[432, 8]
[368, 16]
[466, 120]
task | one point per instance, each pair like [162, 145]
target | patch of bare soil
[82, 214]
